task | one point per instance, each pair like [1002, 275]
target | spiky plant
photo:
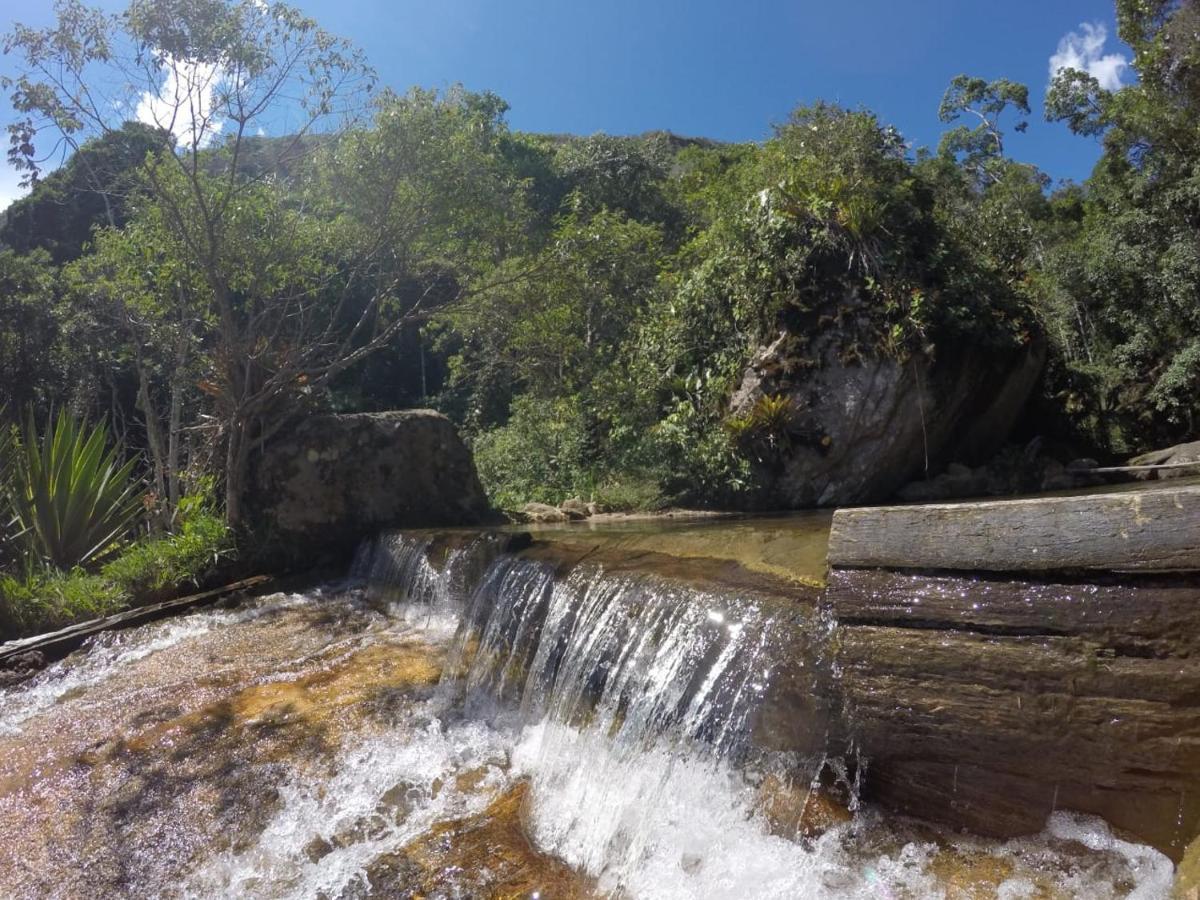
[72, 498]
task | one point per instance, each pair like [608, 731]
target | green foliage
[539, 456]
[72, 498]
[986, 102]
[554, 449]
[555, 331]
[850, 249]
[39, 599]
[94, 188]
[583, 307]
[153, 564]
[1076, 98]
[1122, 286]
[45, 600]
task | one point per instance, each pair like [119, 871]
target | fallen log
[1150, 530]
[58, 644]
[1103, 470]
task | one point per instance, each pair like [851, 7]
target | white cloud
[1084, 50]
[184, 103]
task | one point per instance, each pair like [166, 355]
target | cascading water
[638, 696]
[466, 721]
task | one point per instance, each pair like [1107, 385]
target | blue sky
[720, 69]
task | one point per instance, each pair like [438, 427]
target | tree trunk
[237, 458]
[153, 430]
[174, 426]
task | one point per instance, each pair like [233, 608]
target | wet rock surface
[21, 667]
[988, 700]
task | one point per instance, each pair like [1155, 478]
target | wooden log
[1150, 530]
[57, 644]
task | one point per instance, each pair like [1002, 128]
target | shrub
[153, 564]
[46, 600]
[72, 499]
[42, 599]
[540, 455]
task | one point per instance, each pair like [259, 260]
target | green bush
[43, 599]
[539, 456]
[153, 564]
[72, 498]
[47, 600]
[554, 449]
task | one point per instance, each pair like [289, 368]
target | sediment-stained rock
[988, 702]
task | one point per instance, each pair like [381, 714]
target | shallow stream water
[482, 728]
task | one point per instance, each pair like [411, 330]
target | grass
[44, 599]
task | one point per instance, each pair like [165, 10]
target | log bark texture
[1153, 530]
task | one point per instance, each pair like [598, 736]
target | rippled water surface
[573, 739]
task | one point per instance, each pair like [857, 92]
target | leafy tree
[1077, 98]
[29, 331]
[93, 188]
[214, 68]
[985, 101]
[1122, 288]
[137, 286]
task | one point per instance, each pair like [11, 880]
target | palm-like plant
[72, 498]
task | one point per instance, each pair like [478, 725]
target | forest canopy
[580, 306]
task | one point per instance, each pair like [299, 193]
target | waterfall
[422, 578]
[605, 723]
[636, 697]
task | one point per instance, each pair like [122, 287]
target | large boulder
[857, 430]
[998, 661]
[1181, 458]
[336, 479]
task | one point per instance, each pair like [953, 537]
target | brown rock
[1171, 456]
[542, 513]
[987, 703]
[575, 509]
[800, 809]
[334, 480]
[857, 431]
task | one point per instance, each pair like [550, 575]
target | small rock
[691, 863]
[575, 509]
[798, 810]
[29, 661]
[1082, 465]
[542, 512]
[1171, 456]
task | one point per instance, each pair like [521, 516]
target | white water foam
[114, 650]
[385, 791]
[666, 825]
